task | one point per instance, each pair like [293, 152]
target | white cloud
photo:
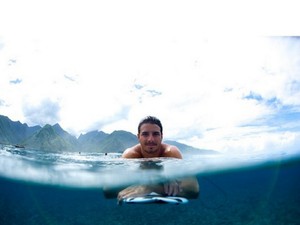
[251, 140]
[46, 112]
[106, 65]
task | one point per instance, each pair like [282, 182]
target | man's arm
[187, 187]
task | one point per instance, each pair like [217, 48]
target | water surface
[67, 188]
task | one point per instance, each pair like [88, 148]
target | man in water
[150, 135]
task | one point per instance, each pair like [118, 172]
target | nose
[150, 137]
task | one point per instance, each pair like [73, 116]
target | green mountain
[47, 139]
[70, 139]
[54, 138]
[98, 141]
[118, 141]
[14, 132]
[91, 141]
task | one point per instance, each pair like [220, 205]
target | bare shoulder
[132, 152]
[171, 151]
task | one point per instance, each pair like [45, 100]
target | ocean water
[68, 188]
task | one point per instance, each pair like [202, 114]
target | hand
[133, 191]
[172, 188]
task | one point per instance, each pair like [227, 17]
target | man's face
[150, 138]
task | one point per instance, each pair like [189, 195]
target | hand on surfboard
[144, 193]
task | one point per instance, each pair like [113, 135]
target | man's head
[150, 137]
[151, 120]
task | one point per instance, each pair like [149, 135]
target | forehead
[148, 127]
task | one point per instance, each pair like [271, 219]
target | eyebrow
[153, 132]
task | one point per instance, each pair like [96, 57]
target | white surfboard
[155, 198]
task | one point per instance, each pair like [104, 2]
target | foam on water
[94, 170]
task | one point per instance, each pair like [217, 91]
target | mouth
[151, 144]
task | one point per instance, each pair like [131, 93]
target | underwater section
[67, 188]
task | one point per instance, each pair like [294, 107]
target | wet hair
[151, 120]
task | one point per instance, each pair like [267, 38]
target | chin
[152, 150]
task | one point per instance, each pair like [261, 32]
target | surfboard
[156, 199]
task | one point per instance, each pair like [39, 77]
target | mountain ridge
[55, 138]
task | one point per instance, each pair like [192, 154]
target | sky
[217, 76]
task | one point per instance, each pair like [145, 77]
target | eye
[156, 134]
[145, 134]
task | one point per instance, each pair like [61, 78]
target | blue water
[67, 188]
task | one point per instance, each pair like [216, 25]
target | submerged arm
[186, 187]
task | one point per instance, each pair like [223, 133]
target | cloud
[206, 89]
[12, 62]
[1, 44]
[2, 102]
[16, 81]
[252, 139]
[70, 78]
[45, 112]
